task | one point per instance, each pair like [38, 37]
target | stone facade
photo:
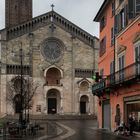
[64, 86]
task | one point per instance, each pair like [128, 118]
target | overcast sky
[80, 12]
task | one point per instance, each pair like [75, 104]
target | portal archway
[53, 101]
[84, 104]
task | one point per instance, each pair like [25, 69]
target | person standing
[131, 124]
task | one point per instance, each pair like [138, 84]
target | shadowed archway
[53, 101]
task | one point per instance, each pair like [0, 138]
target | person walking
[131, 124]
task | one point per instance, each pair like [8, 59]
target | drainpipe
[73, 75]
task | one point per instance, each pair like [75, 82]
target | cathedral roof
[45, 19]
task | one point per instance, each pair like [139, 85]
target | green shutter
[125, 15]
[131, 8]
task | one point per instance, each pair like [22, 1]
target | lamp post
[21, 85]
[31, 38]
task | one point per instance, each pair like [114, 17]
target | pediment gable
[121, 48]
[46, 19]
[82, 80]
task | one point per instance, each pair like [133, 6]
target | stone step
[54, 117]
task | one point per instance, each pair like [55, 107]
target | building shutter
[137, 6]
[119, 22]
[125, 15]
[131, 8]
[116, 25]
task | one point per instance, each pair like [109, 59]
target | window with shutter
[122, 19]
[131, 8]
[126, 15]
[137, 58]
[137, 8]
[102, 23]
[112, 36]
[112, 68]
[113, 8]
[102, 46]
[121, 68]
[116, 24]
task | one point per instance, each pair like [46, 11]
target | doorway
[53, 101]
[52, 106]
[83, 107]
[106, 115]
[83, 104]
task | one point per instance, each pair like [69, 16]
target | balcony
[98, 88]
[125, 76]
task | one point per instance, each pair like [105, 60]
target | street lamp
[21, 84]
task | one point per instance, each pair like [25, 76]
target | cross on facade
[52, 6]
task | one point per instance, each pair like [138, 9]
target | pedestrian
[132, 124]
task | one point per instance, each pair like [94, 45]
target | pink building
[119, 63]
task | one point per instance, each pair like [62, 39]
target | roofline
[78, 32]
[93, 36]
[103, 6]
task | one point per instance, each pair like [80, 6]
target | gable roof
[44, 20]
[101, 10]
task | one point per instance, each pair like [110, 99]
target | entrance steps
[54, 117]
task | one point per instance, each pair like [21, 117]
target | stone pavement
[73, 130]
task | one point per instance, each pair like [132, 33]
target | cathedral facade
[48, 61]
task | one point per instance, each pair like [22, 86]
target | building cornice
[101, 10]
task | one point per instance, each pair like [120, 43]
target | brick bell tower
[17, 11]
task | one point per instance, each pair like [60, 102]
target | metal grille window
[16, 69]
[85, 73]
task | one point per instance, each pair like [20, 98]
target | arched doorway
[17, 103]
[83, 104]
[53, 101]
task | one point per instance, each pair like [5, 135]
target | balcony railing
[98, 86]
[122, 76]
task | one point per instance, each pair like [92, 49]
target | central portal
[52, 106]
[53, 101]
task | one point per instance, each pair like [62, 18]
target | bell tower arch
[17, 11]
